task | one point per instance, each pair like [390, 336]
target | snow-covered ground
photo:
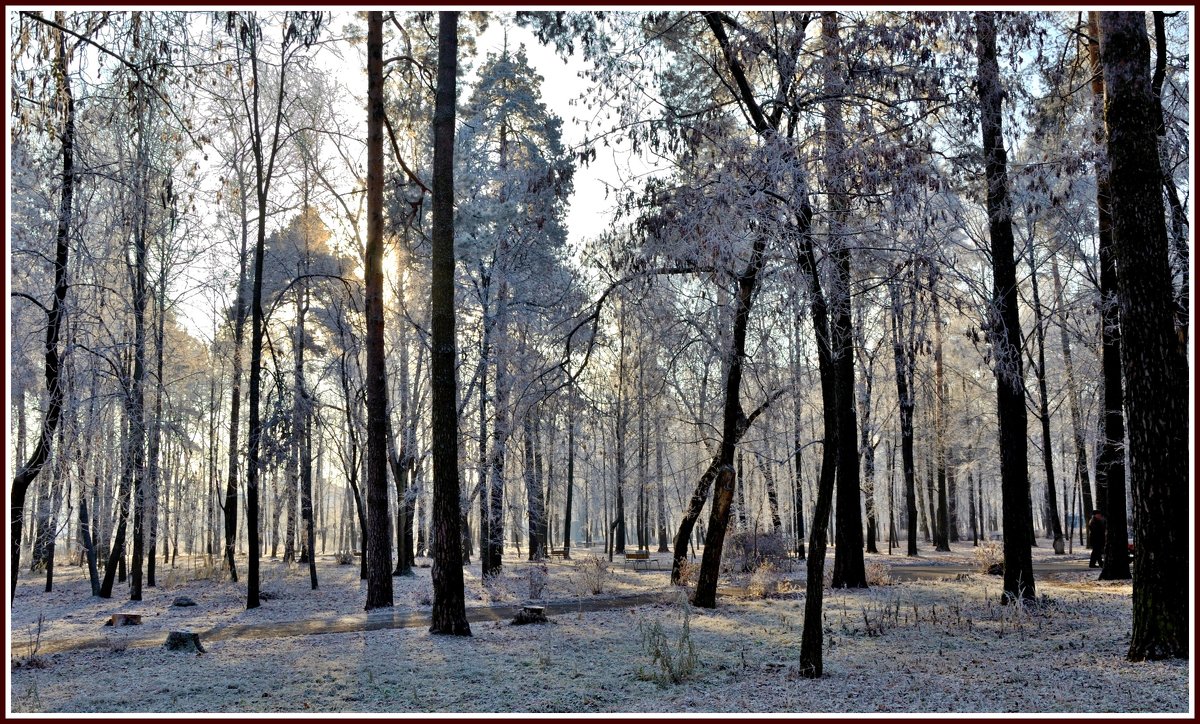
[924, 646]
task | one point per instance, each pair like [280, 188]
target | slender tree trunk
[1155, 358]
[764, 466]
[1110, 461]
[1179, 219]
[941, 533]
[797, 447]
[533, 492]
[734, 425]
[904, 355]
[1004, 326]
[849, 567]
[449, 607]
[866, 433]
[1080, 440]
[570, 488]
[1044, 405]
[117, 552]
[235, 393]
[138, 381]
[379, 533]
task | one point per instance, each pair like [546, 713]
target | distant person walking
[1096, 528]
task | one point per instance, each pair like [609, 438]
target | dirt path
[905, 572]
[373, 621]
[407, 618]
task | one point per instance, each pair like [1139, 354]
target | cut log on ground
[531, 614]
[184, 641]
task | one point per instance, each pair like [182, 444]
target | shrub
[989, 557]
[764, 582]
[537, 576]
[745, 552]
[688, 571]
[497, 587]
[879, 574]
[345, 559]
[669, 664]
[591, 573]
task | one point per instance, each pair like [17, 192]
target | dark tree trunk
[663, 544]
[1044, 405]
[1081, 464]
[1155, 358]
[116, 557]
[449, 606]
[54, 318]
[866, 434]
[533, 492]
[1179, 218]
[941, 528]
[235, 394]
[764, 466]
[1004, 326]
[735, 422]
[734, 425]
[1110, 461]
[849, 569]
[904, 355]
[797, 447]
[379, 531]
[718, 520]
[739, 486]
[501, 425]
[137, 401]
[570, 488]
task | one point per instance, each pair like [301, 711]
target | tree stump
[530, 614]
[184, 641]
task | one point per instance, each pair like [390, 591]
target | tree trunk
[235, 393]
[570, 488]
[533, 492]
[904, 355]
[1044, 405]
[941, 532]
[1110, 461]
[1004, 326]
[379, 532]
[663, 545]
[1155, 358]
[449, 607]
[137, 402]
[849, 568]
[1179, 218]
[1081, 464]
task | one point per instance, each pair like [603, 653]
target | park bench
[558, 553]
[638, 559]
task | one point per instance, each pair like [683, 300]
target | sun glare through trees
[747, 361]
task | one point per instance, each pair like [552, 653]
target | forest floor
[933, 644]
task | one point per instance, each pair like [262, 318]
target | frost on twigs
[669, 663]
[537, 576]
[591, 573]
[989, 558]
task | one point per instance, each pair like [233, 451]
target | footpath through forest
[394, 618]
